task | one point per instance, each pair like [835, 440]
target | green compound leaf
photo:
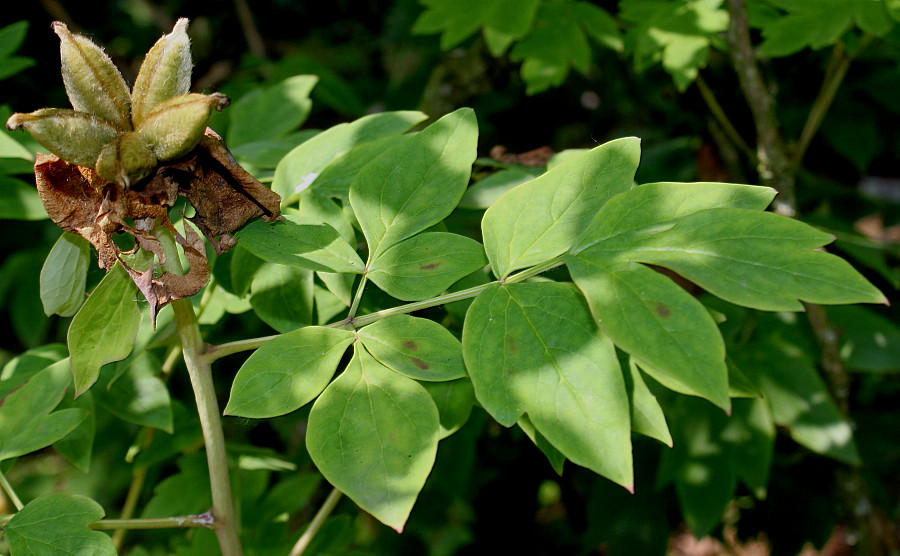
[820, 23]
[271, 113]
[26, 421]
[756, 259]
[373, 434]
[287, 372]
[64, 275]
[542, 218]
[57, 525]
[105, 327]
[300, 242]
[559, 42]
[502, 20]
[417, 184]
[647, 416]
[300, 167]
[668, 332]
[19, 201]
[677, 34]
[418, 348]
[426, 264]
[534, 349]
[652, 204]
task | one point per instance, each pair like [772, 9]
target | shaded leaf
[19, 201]
[64, 275]
[105, 327]
[287, 372]
[282, 296]
[78, 445]
[556, 458]
[670, 334]
[137, 395]
[454, 400]
[417, 184]
[57, 525]
[418, 348]
[426, 264]
[373, 434]
[542, 218]
[266, 114]
[533, 349]
[26, 421]
[647, 416]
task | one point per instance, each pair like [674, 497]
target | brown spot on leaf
[410, 345]
[419, 363]
[511, 345]
[430, 266]
[662, 310]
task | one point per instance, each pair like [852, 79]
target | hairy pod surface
[165, 72]
[92, 81]
[126, 160]
[173, 128]
[73, 136]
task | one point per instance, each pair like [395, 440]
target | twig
[179, 522]
[8, 489]
[248, 26]
[316, 523]
[719, 114]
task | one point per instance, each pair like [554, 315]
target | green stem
[316, 523]
[131, 500]
[8, 489]
[225, 518]
[834, 77]
[230, 348]
[357, 298]
[180, 522]
[719, 114]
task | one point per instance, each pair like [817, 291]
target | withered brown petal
[225, 196]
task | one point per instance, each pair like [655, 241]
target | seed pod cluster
[123, 135]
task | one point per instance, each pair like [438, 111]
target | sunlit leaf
[418, 348]
[296, 241]
[287, 372]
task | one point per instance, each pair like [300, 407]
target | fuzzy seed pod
[165, 72]
[73, 136]
[126, 160]
[93, 83]
[173, 128]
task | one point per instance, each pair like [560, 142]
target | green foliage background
[565, 74]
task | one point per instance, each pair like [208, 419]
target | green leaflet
[373, 434]
[64, 275]
[533, 349]
[798, 398]
[817, 24]
[670, 334]
[454, 400]
[282, 296]
[57, 525]
[485, 192]
[502, 20]
[336, 178]
[416, 184]
[300, 167]
[138, 395]
[559, 41]
[26, 421]
[183, 493]
[756, 259]
[677, 34]
[556, 458]
[300, 242]
[647, 416]
[426, 264]
[652, 204]
[265, 115]
[418, 348]
[287, 372]
[19, 201]
[542, 218]
[104, 328]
